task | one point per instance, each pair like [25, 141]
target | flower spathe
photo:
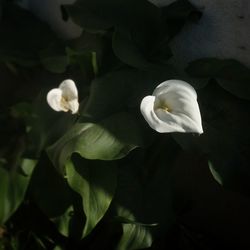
[173, 107]
[64, 98]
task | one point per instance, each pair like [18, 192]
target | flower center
[163, 106]
[64, 103]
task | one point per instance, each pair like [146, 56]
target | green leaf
[128, 51]
[95, 182]
[62, 222]
[112, 138]
[134, 237]
[46, 125]
[54, 198]
[98, 15]
[230, 74]
[54, 60]
[13, 186]
[22, 36]
[215, 174]
[147, 211]
[225, 141]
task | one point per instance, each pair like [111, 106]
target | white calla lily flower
[64, 98]
[173, 107]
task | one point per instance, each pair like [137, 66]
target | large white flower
[172, 107]
[64, 98]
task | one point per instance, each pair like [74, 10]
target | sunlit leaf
[95, 182]
[112, 138]
[134, 237]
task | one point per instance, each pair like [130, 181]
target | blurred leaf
[21, 110]
[97, 15]
[22, 36]
[112, 138]
[231, 74]
[178, 10]
[177, 14]
[54, 60]
[85, 59]
[13, 186]
[136, 26]
[95, 182]
[128, 51]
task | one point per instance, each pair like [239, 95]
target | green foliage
[230, 74]
[19, 32]
[13, 185]
[96, 183]
[113, 138]
[223, 141]
[102, 178]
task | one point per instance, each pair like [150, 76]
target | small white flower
[64, 98]
[172, 107]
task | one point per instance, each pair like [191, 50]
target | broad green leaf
[110, 139]
[136, 26]
[230, 74]
[95, 182]
[147, 211]
[13, 186]
[135, 235]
